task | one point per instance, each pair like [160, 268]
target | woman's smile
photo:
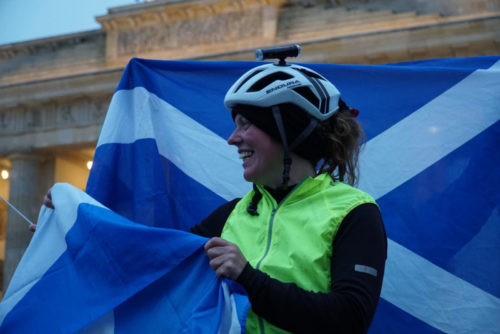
[245, 155]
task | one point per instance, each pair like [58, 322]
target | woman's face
[262, 156]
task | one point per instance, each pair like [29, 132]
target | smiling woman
[308, 248]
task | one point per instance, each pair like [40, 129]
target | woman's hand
[47, 201]
[225, 258]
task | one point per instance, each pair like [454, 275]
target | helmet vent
[264, 82]
[246, 79]
[309, 73]
[306, 93]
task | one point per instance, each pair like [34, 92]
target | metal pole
[16, 210]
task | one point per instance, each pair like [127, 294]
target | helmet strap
[305, 133]
[287, 160]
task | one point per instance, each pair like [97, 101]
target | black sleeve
[212, 225]
[358, 261]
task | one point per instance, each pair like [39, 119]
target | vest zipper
[270, 231]
[268, 246]
[269, 237]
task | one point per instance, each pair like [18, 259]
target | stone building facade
[54, 92]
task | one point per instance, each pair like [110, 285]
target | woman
[309, 249]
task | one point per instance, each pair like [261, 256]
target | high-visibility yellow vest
[292, 241]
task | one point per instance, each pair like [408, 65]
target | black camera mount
[280, 53]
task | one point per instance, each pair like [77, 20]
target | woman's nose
[234, 138]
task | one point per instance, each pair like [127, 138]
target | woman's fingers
[225, 258]
[47, 200]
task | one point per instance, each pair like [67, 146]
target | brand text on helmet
[288, 84]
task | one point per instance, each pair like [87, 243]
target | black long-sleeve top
[357, 269]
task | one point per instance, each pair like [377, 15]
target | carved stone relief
[53, 115]
[200, 31]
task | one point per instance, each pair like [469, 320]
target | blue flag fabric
[433, 134]
[89, 270]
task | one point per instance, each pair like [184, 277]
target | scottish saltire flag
[431, 158]
[89, 270]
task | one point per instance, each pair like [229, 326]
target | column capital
[25, 156]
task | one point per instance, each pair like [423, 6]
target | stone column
[24, 194]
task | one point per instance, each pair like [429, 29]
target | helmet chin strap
[287, 160]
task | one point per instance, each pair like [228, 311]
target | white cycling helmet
[271, 84]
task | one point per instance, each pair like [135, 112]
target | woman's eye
[244, 124]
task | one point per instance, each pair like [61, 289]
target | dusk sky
[22, 20]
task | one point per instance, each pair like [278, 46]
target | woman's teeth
[244, 155]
